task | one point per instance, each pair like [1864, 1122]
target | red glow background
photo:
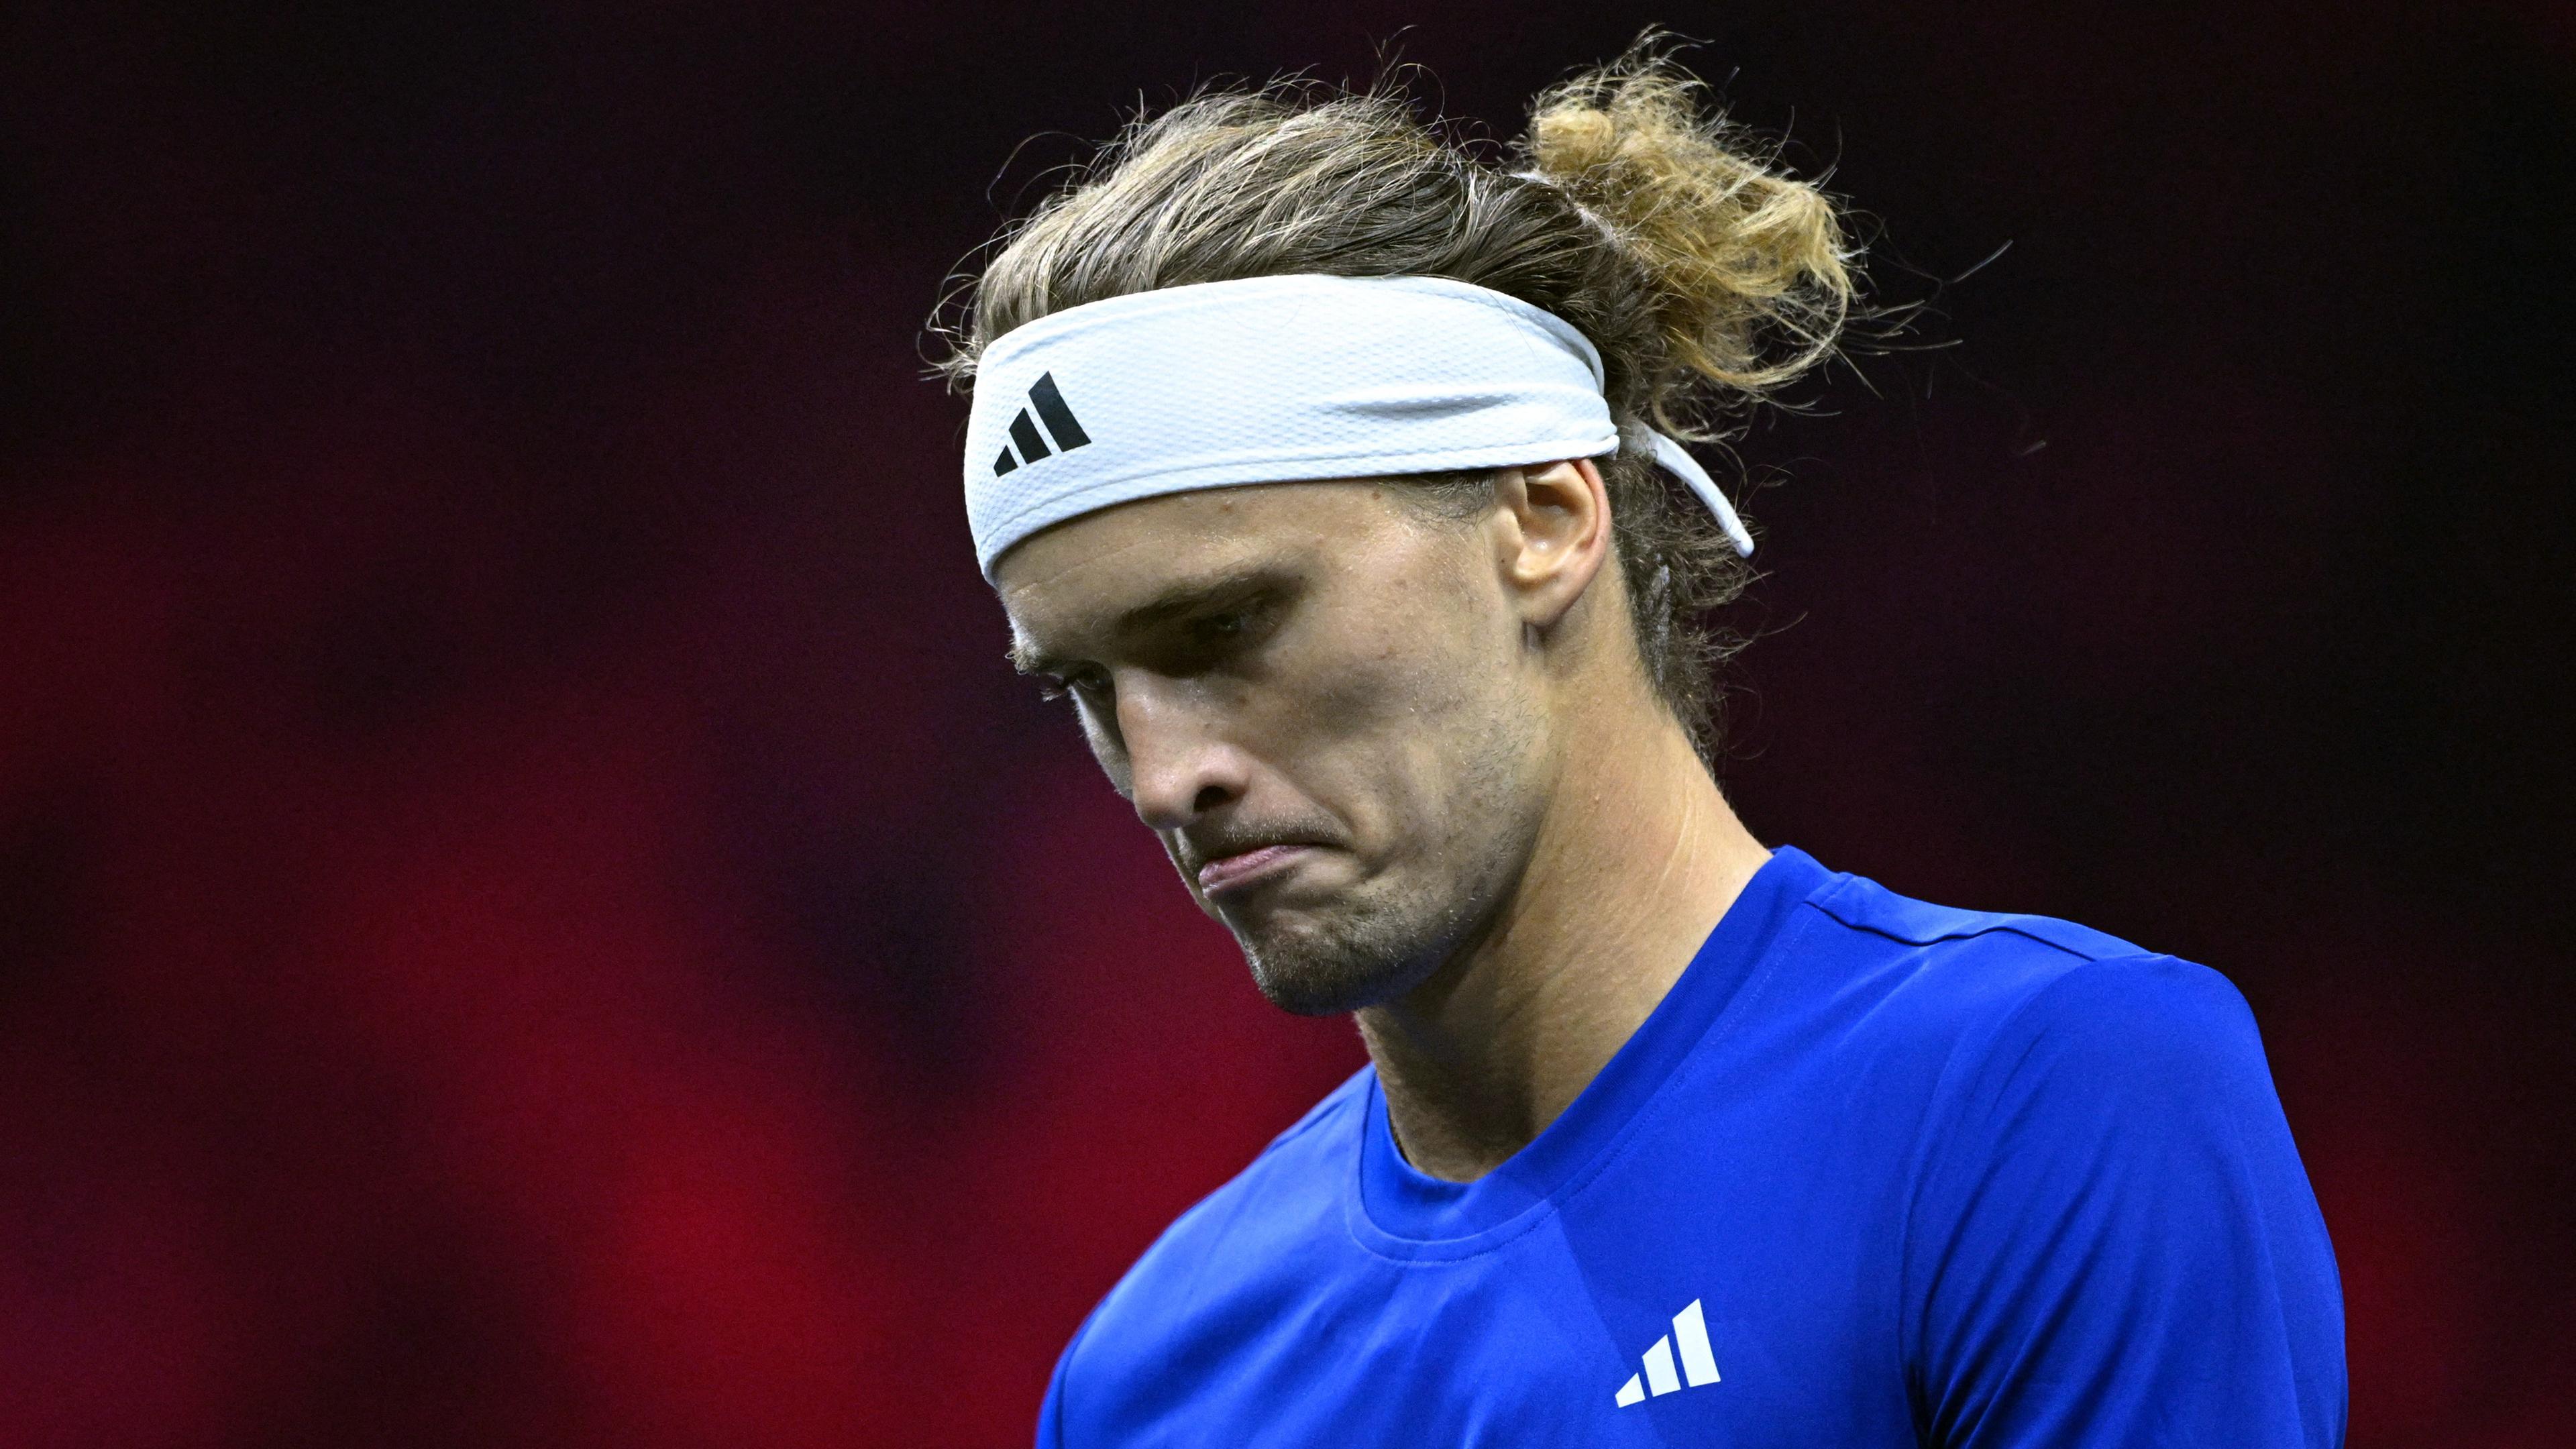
[532, 912]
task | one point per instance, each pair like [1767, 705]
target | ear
[1551, 535]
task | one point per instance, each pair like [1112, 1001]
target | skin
[1411, 760]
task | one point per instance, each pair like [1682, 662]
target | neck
[1637, 859]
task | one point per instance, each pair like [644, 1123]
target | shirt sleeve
[2112, 1241]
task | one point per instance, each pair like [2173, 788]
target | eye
[1230, 626]
[1084, 683]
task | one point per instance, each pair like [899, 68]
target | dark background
[532, 912]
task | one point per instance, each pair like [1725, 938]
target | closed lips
[1241, 868]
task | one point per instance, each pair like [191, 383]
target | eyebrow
[1180, 599]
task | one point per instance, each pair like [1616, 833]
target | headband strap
[1280, 380]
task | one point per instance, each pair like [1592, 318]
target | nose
[1180, 765]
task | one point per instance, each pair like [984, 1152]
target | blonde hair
[1705, 274]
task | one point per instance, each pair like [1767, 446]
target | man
[1323, 466]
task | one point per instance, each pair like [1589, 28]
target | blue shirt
[1874, 1172]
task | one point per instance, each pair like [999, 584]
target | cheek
[1399, 706]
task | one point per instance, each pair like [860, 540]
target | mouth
[1230, 875]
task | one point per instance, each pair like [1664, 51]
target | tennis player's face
[1319, 698]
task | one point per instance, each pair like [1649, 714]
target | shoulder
[2094, 1170]
[1976, 978]
[1860, 905]
[2028, 1029]
[1291, 1190]
[1224, 1268]
[1945, 1006]
[1301, 1173]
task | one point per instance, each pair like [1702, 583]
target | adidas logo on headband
[1060, 424]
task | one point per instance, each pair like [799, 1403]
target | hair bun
[1750, 272]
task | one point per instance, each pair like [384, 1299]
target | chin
[1373, 941]
[1311, 968]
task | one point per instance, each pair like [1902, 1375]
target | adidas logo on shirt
[1699, 1366]
[1049, 405]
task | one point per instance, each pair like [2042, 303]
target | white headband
[1277, 380]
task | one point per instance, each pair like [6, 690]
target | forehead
[1076, 575]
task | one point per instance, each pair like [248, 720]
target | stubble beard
[1383, 938]
[1368, 952]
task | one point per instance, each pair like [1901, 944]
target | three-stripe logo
[1049, 405]
[1699, 1366]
